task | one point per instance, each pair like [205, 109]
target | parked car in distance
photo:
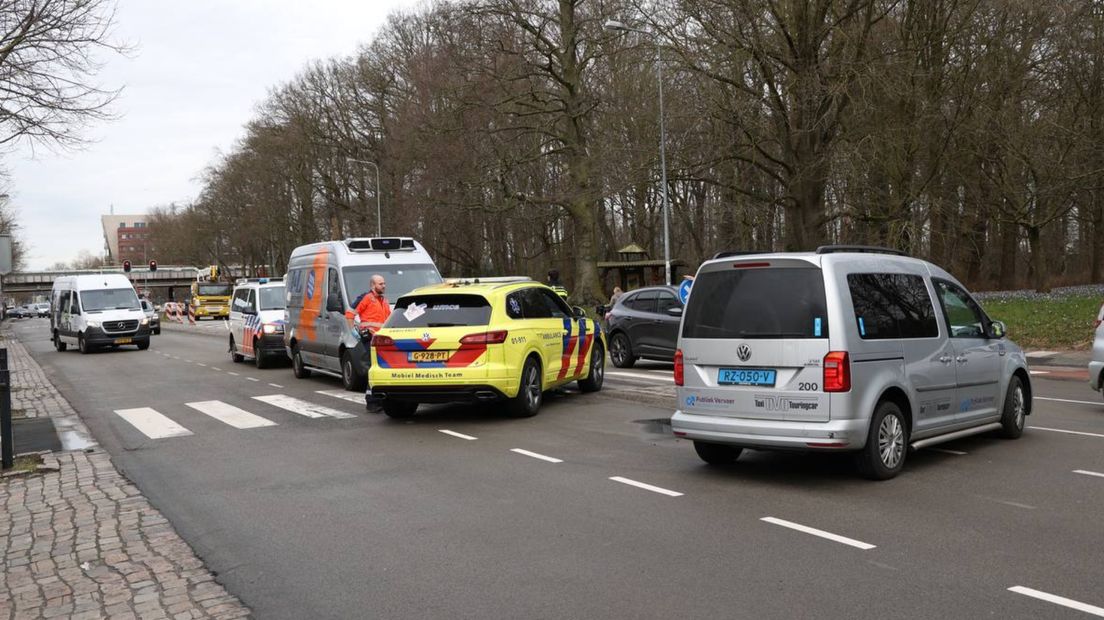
[644, 323]
[257, 321]
[152, 315]
[846, 349]
[42, 310]
[1096, 365]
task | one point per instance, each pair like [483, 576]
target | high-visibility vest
[560, 290]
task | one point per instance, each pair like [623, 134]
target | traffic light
[126, 266]
[153, 265]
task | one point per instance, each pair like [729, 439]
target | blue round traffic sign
[684, 290]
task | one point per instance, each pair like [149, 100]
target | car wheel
[59, 345]
[883, 457]
[297, 366]
[717, 453]
[621, 351]
[1015, 410]
[157, 332]
[593, 380]
[143, 344]
[399, 410]
[234, 355]
[260, 360]
[82, 346]
[530, 392]
[349, 378]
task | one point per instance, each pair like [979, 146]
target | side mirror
[578, 312]
[997, 330]
[675, 311]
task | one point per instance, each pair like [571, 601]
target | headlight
[145, 321]
[93, 324]
[273, 328]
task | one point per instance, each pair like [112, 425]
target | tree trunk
[1037, 264]
[1097, 267]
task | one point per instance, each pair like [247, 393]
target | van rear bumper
[771, 434]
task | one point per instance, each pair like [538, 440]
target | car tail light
[495, 337]
[837, 372]
[382, 341]
[679, 371]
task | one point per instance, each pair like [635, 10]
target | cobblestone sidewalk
[80, 541]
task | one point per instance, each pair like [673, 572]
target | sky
[197, 72]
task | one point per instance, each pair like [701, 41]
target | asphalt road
[363, 516]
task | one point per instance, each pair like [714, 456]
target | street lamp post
[612, 24]
[379, 217]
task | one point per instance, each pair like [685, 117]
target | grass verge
[1048, 324]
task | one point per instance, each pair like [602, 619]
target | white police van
[97, 310]
[257, 321]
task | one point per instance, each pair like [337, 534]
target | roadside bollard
[6, 442]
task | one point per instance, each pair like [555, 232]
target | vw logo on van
[743, 352]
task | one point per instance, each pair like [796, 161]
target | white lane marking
[251, 379]
[275, 385]
[1085, 472]
[152, 424]
[646, 487]
[216, 369]
[232, 373]
[1015, 504]
[1040, 372]
[189, 361]
[455, 434]
[302, 407]
[223, 412]
[353, 397]
[536, 456]
[1059, 430]
[637, 375]
[815, 532]
[1059, 600]
[1066, 400]
[946, 451]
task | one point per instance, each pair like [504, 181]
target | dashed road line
[455, 434]
[232, 373]
[252, 379]
[640, 376]
[1040, 372]
[229, 414]
[201, 364]
[1066, 400]
[1060, 430]
[1085, 472]
[821, 533]
[536, 456]
[276, 385]
[151, 423]
[1059, 600]
[646, 487]
[216, 369]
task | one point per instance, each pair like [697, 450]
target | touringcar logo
[785, 403]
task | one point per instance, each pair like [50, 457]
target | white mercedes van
[97, 310]
[324, 282]
[848, 348]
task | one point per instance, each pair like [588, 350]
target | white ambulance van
[324, 282]
[97, 310]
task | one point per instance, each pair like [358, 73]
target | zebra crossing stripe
[152, 424]
[223, 412]
[302, 407]
[353, 397]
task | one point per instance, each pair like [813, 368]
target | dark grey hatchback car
[644, 324]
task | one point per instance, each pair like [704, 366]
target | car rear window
[455, 310]
[757, 303]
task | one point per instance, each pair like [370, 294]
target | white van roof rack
[241, 281]
[379, 244]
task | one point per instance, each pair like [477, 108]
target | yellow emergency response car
[487, 340]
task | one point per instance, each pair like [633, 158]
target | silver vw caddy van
[848, 348]
[324, 282]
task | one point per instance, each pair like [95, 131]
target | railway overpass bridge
[175, 277]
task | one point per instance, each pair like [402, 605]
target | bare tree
[48, 68]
